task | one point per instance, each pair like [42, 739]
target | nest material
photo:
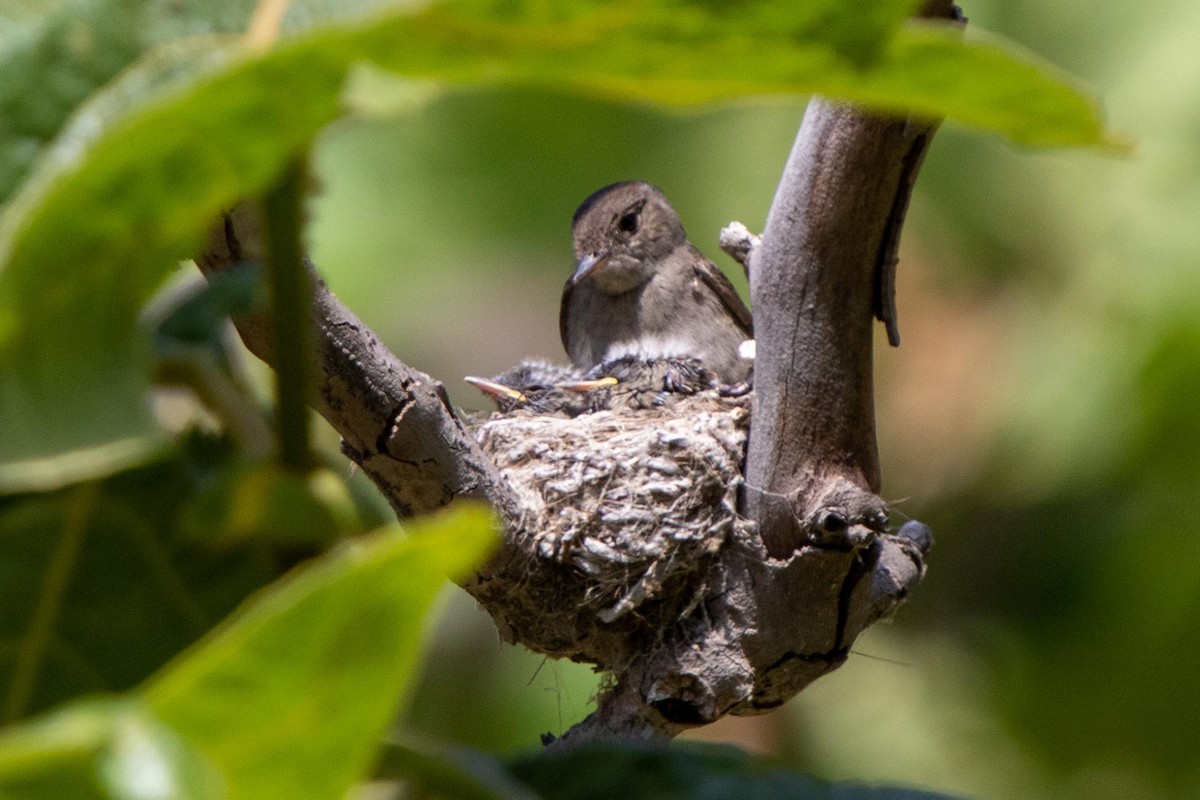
[622, 514]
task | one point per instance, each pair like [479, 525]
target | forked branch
[730, 613]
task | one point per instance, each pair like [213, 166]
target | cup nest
[622, 516]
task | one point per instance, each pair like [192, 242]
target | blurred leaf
[630, 771]
[290, 697]
[99, 588]
[80, 460]
[710, 772]
[451, 772]
[73, 361]
[51, 65]
[1169, 438]
[82, 412]
[854, 32]
[266, 503]
[287, 700]
[985, 82]
[67, 342]
[202, 316]
[109, 749]
[116, 204]
[686, 53]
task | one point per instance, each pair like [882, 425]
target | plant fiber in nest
[622, 515]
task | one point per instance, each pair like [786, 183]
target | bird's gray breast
[673, 315]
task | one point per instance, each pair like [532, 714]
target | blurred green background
[1041, 413]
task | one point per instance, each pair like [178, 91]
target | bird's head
[540, 388]
[622, 232]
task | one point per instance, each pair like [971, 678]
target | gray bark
[396, 422]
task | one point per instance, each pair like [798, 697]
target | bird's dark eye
[629, 222]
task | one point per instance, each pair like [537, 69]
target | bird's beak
[497, 390]
[587, 386]
[587, 265]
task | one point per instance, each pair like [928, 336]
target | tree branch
[696, 612]
[813, 284]
[396, 422]
[825, 266]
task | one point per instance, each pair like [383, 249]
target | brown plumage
[540, 388]
[641, 289]
[648, 383]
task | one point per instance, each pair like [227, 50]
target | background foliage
[1039, 414]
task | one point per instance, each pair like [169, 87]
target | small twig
[740, 244]
[290, 291]
[194, 368]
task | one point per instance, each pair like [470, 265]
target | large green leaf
[692, 770]
[287, 699]
[439, 771]
[290, 697]
[632, 771]
[117, 202]
[52, 64]
[985, 82]
[681, 53]
[102, 584]
[107, 750]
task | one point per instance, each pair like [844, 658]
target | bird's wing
[564, 311]
[715, 279]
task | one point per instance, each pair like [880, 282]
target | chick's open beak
[587, 265]
[587, 386]
[493, 389]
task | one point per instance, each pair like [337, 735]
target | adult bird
[641, 289]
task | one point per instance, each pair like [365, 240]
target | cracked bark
[784, 607]
[396, 422]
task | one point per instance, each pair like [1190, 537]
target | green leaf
[692, 770]
[126, 439]
[681, 53]
[290, 697]
[263, 502]
[854, 32]
[199, 319]
[51, 65]
[117, 203]
[983, 81]
[456, 772]
[50, 68]
[102, 749]
[99, 586]
[72, 407]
